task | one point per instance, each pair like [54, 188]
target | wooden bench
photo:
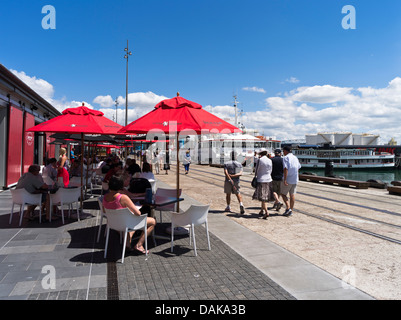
[394, 190]
[340, 182]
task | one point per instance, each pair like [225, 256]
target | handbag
[254, 182]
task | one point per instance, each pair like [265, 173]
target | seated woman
[116, 200]
[146, 172]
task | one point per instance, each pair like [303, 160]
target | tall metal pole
[235, 108]
[127, 54]
[116, 108]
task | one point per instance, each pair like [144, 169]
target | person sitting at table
[33, 182]
[75, 170]
[106, 166]
[116, 169]
[133, 168]
[50, 172]
[115, 199]
[146, 172]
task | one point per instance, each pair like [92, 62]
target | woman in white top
[146, 172]
[264, 191]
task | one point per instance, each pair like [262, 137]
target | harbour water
[385, 175]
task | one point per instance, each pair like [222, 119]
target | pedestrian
[72, 155]
[233, 172]
[255, 160]
[263, 191]
[156, 161]
[187, 161]
[290, 179]
[166, 165]
[62, 167]
[277, 177]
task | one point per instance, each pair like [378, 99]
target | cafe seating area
[71, 198]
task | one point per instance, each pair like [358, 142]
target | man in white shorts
[290, 181]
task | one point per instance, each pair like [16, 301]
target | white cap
[262, 150]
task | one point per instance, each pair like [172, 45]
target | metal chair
[102, 215]
[23, 197]
[167, 193]
[195, 215]
[63, 197]
[123, 220]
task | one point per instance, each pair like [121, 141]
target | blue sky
[294, 68]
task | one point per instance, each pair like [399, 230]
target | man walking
[233, 171]
[290, 181]
[277, 176]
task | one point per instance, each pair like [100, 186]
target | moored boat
[342, 158]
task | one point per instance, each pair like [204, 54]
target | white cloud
[292, 80]
[322, 94]
[139, 103]
[46, 91]
[308, 110]
[305, 110]
[254, 89]
[104, 101]
[40, 86]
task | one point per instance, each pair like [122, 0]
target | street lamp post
[116, 108]
[127, 54]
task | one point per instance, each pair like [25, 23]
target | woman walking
[264, 191]
[186, 161]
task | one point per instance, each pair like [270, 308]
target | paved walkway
[241, 265]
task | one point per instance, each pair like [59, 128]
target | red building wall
[28, 143]
[14, 152]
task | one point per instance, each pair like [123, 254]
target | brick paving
[82, 273]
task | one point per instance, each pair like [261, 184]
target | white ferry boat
[344, 158]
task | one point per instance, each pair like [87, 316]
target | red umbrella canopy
[178, 115]
[79, 120]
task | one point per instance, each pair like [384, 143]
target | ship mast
[236, 112]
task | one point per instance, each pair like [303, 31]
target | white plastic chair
[105, 187]
[102, 215]
[49, 181]
[23, 197]
[99, 176]
[123, 220]
[75, 182]
[195, 215]
[153, 184]
[63, 197]
[167, 193]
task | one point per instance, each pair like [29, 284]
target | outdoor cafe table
[159, 201]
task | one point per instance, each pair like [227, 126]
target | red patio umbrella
[179, 115]
[187, 115]
[79, 120]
